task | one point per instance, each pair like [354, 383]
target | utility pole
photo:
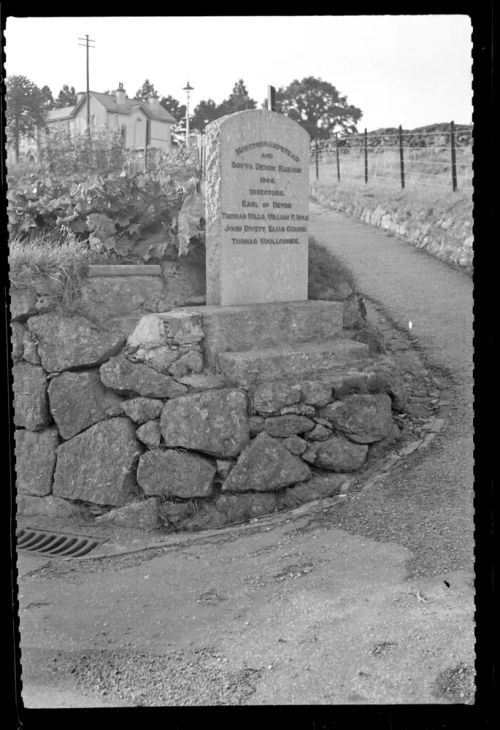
[86, 43]
[187, 89]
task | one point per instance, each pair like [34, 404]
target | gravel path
[426, 504]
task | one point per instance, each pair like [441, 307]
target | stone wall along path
[257, 209]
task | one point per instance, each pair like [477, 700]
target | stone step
[242, 327]
[298, 361]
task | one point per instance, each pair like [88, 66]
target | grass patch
[55, 268]
[326, 271]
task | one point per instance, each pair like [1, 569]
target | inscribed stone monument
[256, 191]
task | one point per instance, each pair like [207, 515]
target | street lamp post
[187, 89]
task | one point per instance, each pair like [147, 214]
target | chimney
[153, 102]
[120, 94]
[80, 95]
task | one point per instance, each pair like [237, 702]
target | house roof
[64, 112]
[109, 103]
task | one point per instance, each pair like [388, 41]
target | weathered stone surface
[336, 454]
[143, 515]
[30, 349]
[127, 377]
[207, 517]
[183, 327]
[256, 425]
[379, 448]
[259, 326]
[35, 460]
[111, 296]
[271, 397]
[17, 335]
[353, 314]
[67, 342]
[22, 304]
[149, 434]
[30, 397]
[300, 409]
[238, 274]
[49, 506]
[362, 418]
[214, 422]
[142, 409]
[238, 507]
[265, 465]
[161, 358]
[386, 377]
[295, 445]
[98, 464]
[78, 400]
[203, 381]
[173, 513]
[284, 426]
[318, 487]
[316, 392]
[224, 466]
[190, 362]
[323, 422]
[319, 433]
[175, 474]
[149, 333]
[185, 282]
[290, 361]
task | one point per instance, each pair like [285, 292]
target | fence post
[453, 157]
[401, 156]
[366, 156]
[337, 154]
[317, 161]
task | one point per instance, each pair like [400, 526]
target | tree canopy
[24, 109]
[146, 90]
[318, 107]
[174, 107]
[238, 100]
[205, 112]
[66, 97]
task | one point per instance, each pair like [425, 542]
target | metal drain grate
[55, 544]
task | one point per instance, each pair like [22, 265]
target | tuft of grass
[326, 271]
[55, 268]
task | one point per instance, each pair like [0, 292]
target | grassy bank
[439, 221]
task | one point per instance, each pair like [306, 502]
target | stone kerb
[256, 195]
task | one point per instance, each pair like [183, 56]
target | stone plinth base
[290, 361]
[238, 328]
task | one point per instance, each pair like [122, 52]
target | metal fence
[441, 158]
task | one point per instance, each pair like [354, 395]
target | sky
[409, 70]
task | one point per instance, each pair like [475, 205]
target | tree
[48, 99]
[238, 100]
[147, 89]
[205, 112]
[173, 107]
[24, 109]
[318, 107]
[66, 97]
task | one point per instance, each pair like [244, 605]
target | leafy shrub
[67, 154]
[115, 213]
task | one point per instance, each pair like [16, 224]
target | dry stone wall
[140, 431]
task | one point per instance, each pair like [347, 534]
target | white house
[116, 112]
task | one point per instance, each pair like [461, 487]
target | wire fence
[439, 159]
